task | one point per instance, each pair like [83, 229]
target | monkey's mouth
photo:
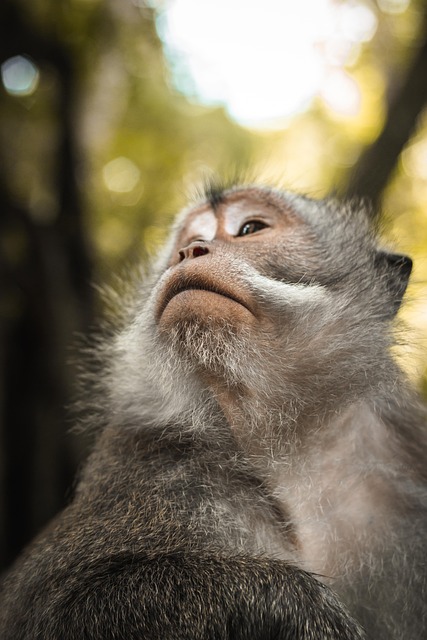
[180, 284]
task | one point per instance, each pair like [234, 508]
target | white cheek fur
[284, 295]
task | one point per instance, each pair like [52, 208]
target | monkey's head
[271, 292]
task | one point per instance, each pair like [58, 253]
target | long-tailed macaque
[261, 469]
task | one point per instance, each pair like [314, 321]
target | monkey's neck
[271, 429]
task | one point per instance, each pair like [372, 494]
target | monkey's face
[229, 270]
[217, 251]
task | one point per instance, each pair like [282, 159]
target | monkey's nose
[194, 250]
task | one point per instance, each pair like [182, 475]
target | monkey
[259, 471]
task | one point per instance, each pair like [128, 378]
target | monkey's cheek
[204, 307]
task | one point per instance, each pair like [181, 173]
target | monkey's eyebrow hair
[214, 194]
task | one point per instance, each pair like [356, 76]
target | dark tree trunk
[46, 300]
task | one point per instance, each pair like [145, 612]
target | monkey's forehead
[243, 198]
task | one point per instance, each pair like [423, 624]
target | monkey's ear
[396, 269]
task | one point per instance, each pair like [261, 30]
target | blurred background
[110, 110]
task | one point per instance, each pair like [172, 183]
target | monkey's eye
[251, 227]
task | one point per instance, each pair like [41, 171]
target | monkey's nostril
[200, 251]
[192, 251]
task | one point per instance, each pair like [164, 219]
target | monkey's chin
[206, 307]
[208, 334]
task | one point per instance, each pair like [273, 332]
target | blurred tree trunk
[373, 171]
[46, 299]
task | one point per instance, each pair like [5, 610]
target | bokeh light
[121, 175]
[20, 76]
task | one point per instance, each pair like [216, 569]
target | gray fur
[188, 523]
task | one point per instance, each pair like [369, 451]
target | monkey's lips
[179, 284]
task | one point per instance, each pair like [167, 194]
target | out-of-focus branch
[375, 166]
